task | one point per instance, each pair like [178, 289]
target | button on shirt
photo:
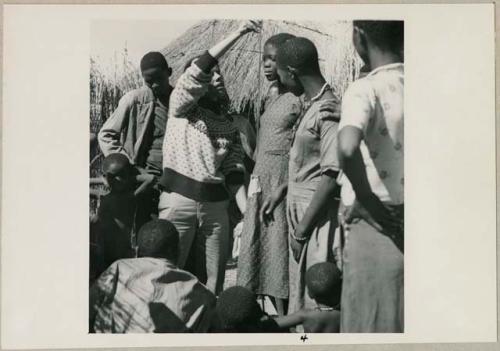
[374, 104]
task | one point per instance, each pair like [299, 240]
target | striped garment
[202, 150]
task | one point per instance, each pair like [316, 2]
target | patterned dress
[263, 260]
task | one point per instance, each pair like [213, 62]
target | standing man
[137, 127]
[371, 151]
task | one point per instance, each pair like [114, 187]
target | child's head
[238, 310]
[296, 57]
[118, 172]
[384, 36]
[158, 238]
[324, 283]
[270, 49]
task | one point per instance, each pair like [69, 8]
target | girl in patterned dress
[263, 260]
[313, 168]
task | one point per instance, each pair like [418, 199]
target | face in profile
[289, 80]
[156, 79]
[269, 61]
[217, 89]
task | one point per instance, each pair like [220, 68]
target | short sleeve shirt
[374, 104]
[314, 148]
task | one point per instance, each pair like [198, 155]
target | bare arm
[221, 47]
[146, 181]
[319, 203]
[292, 320]
[353, 165]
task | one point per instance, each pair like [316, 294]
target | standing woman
[311, 188]
[263, 260]
[202, 164]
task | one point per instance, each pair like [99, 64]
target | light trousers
[203, 236]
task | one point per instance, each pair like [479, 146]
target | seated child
[324, 284]
[115, 218]
[150, 294]
[237, 311]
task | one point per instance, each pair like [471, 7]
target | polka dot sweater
[202, 151]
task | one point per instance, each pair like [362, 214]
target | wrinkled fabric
[319, 248]
[149, 295]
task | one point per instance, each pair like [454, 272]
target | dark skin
[157, 79]
[309, 83]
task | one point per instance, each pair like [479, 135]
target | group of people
[319, 191]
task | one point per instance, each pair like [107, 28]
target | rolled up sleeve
[328, 131]
[109, 136]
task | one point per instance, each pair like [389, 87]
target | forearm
[238, 191]
[320, 201]
[241, 198]
[221, 47]
[282, 190]
[290, 320]
[355, 170]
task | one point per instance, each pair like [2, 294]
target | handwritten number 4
[304, 338]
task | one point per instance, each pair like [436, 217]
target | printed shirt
[374, 104]
[146, 295]
[314, 147]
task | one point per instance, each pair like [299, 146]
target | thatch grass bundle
[241, 66]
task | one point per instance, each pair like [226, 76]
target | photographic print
[246, 176]
[248, 169]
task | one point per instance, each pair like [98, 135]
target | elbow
[347, 152]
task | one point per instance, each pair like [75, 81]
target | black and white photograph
[253, 183]
[246, 176]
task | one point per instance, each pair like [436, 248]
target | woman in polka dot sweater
[202, 165]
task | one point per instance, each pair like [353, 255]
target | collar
[388, 67]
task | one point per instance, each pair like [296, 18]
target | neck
[378, 58]
[312, 84]
[281, 88]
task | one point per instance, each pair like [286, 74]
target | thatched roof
[241, 66]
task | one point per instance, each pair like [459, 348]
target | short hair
[299, 53]
[237, 308]
[278, 39]
[153, 59]
[386, 35]
[324, 281]
[158, 238]
[116, 159]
